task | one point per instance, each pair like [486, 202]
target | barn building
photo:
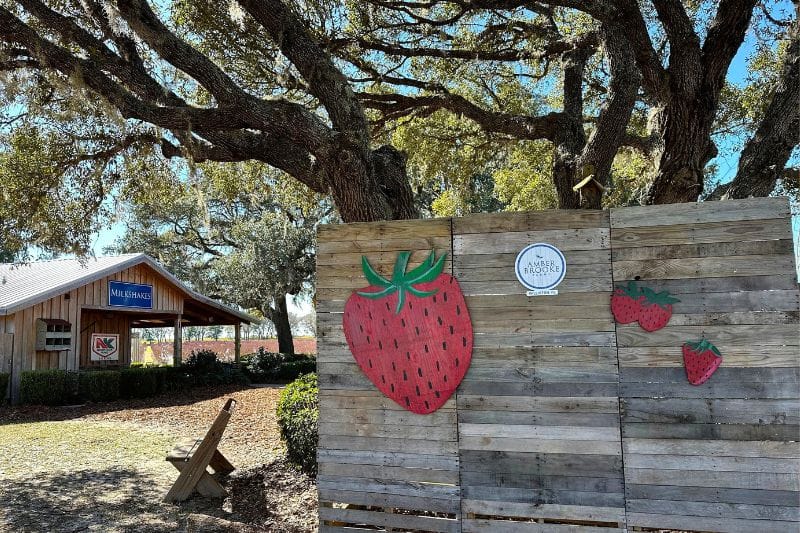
[75, 315]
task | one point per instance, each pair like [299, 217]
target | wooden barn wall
[567, 421]
[715, 457]
[92, 296]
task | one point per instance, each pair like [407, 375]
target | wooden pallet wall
[715, 457]
[538, 415]
[567, 421]
[379, 465]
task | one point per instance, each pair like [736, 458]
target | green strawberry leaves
[702, 345]
[403, 282]
[631, 289]
[662, 299]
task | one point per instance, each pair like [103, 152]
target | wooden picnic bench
[192, 459]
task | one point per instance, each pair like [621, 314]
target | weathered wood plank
[578, 447]
[706, 411]
[526, 510]
[555, 404]
[405, 521]
[483, 223]
[778, 247]
[753, 335]
[712, 232]
[547, 464]
[514, 241]
[544, 496]
[447, 504]
[398, 459]
[505, 526]
[715, 463]
[393, 229]
[704, 267]
[788, 450]
[741, 432]
[389, 473]
[700, 212]
[712, 494]
[696, 523]
[540, 419]
[578, 433]
[716, 510]
[735, 356]
[706, 478]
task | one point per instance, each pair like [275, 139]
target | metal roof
[25, 284]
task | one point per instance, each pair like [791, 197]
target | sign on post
[540, 267]
[124, 294]
[105, 347]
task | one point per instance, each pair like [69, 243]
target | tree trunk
[372, 186]
[279, 316]
[683, 150]
[570, 137]
[765, 155]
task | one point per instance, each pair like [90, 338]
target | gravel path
[101, 467]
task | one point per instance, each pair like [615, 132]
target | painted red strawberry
[656, 309]
[411, 335]
[701, 359]
[626, 303]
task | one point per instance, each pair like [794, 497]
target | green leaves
[662, 299]
[702, 345]
[403, 282]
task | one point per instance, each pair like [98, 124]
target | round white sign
[541, 267]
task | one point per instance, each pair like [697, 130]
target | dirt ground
[101, 467]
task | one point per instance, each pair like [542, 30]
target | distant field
[225, 347]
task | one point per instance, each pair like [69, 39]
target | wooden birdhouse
[590, 191]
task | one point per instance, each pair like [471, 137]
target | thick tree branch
[325, 81]
[519, 126]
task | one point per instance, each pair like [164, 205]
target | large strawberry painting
[411, 335]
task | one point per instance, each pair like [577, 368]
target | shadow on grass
[116, 499]
[40, 413]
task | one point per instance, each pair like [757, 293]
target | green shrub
[142, 382]
[4, 380]
[266, 367]
[297, 413]
[203, 362]
[294, 369]
[100, 386]
[47, 387]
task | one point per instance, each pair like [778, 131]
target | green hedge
[142, 382]
[269, 367]
[47, 387]
[4, 380]
[100, 385]
[297, 414]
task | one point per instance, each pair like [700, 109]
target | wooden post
[237, 341]
[177, 349]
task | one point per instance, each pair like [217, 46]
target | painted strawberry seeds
[656, 309]
[411, 335]
[626, 303]
[650, 308]
[701, 359]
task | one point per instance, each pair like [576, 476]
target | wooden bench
[193, 457]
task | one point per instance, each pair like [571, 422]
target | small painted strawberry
[626, 303]
[701, 359]
[411, 335]
[656, 309]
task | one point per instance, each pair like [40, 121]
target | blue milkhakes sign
[123, 294]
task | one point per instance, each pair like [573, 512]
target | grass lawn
[84, 476]
[101, 467]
